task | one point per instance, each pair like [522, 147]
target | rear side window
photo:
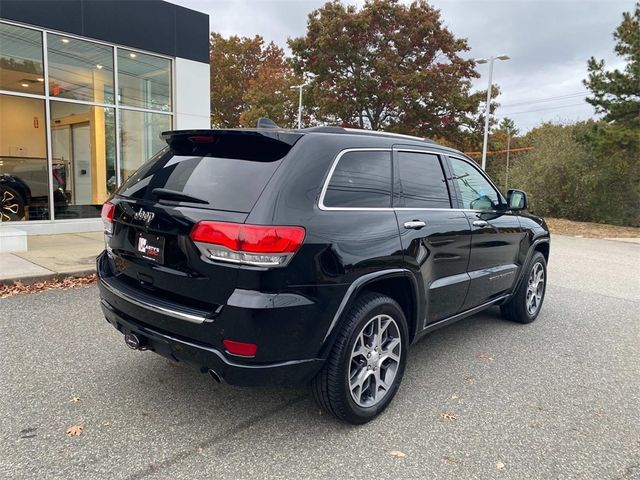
[228, 172]
[422, 181]
[360, 180]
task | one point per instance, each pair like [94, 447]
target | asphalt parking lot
[559, 398]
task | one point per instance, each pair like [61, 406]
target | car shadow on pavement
[158, 384]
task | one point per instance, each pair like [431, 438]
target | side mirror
[517, 200]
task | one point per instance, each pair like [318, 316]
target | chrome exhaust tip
[215, 376]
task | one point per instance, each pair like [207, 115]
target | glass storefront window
[144, 81]
[140, 138]
[80, 70]
[79, 93]
[24, 185]
[83, 148]
[21, 60]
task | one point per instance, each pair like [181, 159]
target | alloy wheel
[535, 289]
[375, 360]
[9, 206]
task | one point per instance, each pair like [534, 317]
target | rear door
[215, 175]
[435, 237]
[495, 233]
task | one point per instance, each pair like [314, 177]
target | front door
[435, 237]
[495, 234]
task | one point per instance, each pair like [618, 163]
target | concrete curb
[29, 279]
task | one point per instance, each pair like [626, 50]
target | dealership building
[86, 88]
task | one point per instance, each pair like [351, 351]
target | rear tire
[365, 367]
[525, 305]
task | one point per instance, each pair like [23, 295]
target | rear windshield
[221, 172]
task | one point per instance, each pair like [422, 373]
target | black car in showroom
[316, 255]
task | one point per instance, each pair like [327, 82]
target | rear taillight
[108, 209]
[261, 245]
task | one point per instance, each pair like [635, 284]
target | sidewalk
[51, 256]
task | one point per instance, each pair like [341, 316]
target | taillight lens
[108, 210]
[240, 348]
[261, 245]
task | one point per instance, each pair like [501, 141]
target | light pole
[506, 178]
[490, 61]
[299, 87]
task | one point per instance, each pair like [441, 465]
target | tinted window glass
[422, 181]
[228, 174]
[477, 193]
[361, 179]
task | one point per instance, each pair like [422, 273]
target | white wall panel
[192, 94]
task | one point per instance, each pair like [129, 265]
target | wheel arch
[541, 245]
[398, 284]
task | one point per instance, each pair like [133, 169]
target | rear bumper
[206, 358]
[179, 334]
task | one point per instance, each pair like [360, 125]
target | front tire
[525, 305]
[366, 365]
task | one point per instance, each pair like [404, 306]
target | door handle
[480, 223]
[415, 224]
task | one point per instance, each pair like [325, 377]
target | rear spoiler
[246, 144]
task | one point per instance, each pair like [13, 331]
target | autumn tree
[269, 94]
[388, 66]
[249, 79]
[234, 63]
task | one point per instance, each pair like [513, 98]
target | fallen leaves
[485, 357]
[19, 288]
[74, 399]
[468, 379]
[447, 416]
[500, 465]
[75, 431]
[397, 454]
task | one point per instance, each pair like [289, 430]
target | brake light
[202, 138]
[108, 210]
[261, 245]
[241, 348]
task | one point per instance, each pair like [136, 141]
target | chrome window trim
[325, 187]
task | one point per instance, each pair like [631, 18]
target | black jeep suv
[317, 255]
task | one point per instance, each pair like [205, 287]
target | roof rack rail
[388, 134]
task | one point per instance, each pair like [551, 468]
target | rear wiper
[168, 194]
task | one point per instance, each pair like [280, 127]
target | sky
[549, 42]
